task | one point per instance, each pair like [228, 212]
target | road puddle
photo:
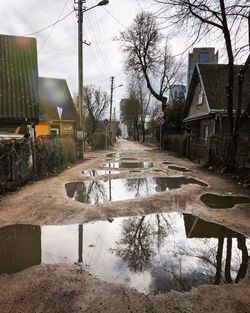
[178, 168]
[153, 253]
[126, 165]
[99, 172]
[102, 191]
[222, 202]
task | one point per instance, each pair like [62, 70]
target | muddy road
[45, 264]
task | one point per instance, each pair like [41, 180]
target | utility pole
[80, 70]
[111, 102]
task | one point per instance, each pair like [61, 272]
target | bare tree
[148, 56]
[138, 87]
[95, 101]
[130, 114]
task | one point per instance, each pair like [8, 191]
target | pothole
[153, 253]
[102, 191]
[222, 202]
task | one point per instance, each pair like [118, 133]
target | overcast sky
[57, 46]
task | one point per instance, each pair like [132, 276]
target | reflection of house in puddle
[20, 247]
[197, 228]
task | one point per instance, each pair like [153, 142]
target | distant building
[202, 56]
[18, 84]
[57, 114]
[176, 92]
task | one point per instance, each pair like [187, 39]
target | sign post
[159, 118]
[106, 123]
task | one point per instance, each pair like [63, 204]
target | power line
[115, 18]
[100, 38]
[53, 27]
[100, 57]
[47, 27]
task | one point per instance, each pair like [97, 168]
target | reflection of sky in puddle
[99, 172]
[101, 191]
[217, 201]
[144, 164]
[150, 253]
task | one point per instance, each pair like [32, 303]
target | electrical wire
[100, 58]
[53, 27]
[100, 40]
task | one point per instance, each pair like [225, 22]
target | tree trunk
[219, 260]
[143, 129]
[228, 261]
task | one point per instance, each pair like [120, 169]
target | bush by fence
[24, 160]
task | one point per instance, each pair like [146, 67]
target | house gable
[198, 103]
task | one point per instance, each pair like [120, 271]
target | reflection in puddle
[154, 253]
[178, 168]
[99, 172]
[101, 191]
[129, 165]
[216, 201]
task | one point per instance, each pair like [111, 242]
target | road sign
[106, 122]
[160, 114]
[160, 120]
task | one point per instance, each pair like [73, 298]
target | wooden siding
[18, 79]
[196, 108]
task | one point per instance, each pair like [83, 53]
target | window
[203, 57]
[200, 98]
[54, 132]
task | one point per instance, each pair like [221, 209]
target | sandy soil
[67, 288]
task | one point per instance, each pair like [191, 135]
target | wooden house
[57, 114]
[205, 110]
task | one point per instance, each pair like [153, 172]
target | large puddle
[102, 191]
[126, 165]
[99, 172]
[154, 253]
[222, 202]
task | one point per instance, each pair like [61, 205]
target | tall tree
[95, 103]
[148, 56]
[130, 110]
[139, 88]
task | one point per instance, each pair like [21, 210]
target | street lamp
[111, 100]
[82, 10]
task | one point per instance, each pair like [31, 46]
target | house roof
[214, 79]
[55, 97]
[18, 79]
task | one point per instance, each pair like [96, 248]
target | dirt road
[67, 287]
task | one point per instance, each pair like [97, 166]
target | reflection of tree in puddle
[219, 256]
[87, 192]
[139, 235]
[136, 185]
